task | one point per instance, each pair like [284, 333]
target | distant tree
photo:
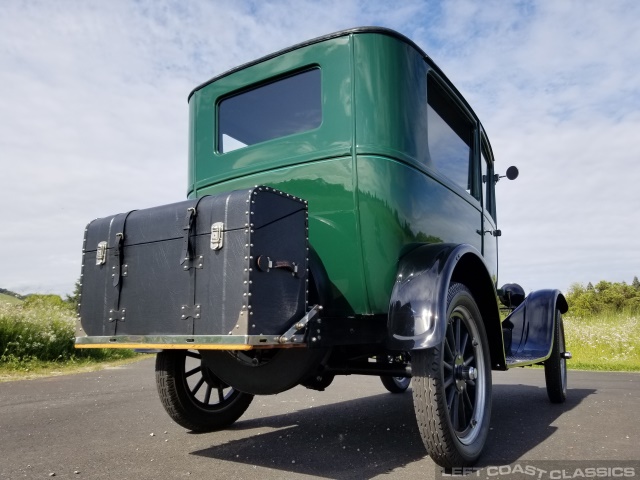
[37, 299]
[636, 283]
[604, 296]
[74, 299]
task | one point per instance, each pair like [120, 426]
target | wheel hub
[463, 374]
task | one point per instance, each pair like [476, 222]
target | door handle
[495, 233]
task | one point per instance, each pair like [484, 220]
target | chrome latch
[217, 235]
[101, 253]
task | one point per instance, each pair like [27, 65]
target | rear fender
[418, 307]
[531, 326]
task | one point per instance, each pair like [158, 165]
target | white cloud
[94, 116]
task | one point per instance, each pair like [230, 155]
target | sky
[94, 116]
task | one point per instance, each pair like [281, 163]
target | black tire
[393, 384]
[453, 409]
[180, 378]
[555, 367]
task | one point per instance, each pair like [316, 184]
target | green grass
[38, 335]
[36, 338]
[4, 298]
[607, 341]
[34, 368]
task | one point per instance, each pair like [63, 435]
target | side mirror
[512, 174]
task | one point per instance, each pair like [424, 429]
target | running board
[524, 360]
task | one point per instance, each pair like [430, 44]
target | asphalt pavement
[110, 424]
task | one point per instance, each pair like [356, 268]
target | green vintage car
[399, 180]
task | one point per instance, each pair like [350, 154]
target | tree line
[12, 294]
[604, 297]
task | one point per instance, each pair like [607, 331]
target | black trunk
[229, 264]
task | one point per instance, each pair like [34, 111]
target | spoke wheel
[394, 384]
[555, 367]
[193, 396]
[452, 385]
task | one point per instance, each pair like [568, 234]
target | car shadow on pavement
[370, 436]
[522, 417]
[352, 439]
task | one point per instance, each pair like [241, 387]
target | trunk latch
[217, 234]
[101, 253]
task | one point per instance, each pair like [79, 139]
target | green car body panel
[366, 171]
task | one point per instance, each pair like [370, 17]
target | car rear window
[283, 107]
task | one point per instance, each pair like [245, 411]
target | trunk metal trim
[197, 342]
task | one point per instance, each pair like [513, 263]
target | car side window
[449, 137]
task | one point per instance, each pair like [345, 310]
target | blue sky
[93, 116]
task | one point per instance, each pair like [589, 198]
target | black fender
[529, 328]
[418, 306]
